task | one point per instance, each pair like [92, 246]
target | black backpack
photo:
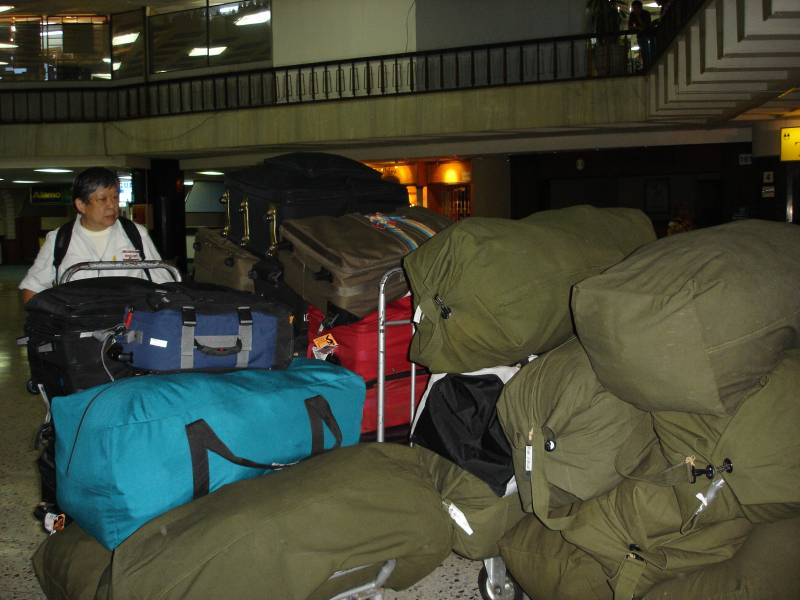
[64, 236]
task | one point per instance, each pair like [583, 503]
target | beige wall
[308, 31]
[491, 187]
[412, 119]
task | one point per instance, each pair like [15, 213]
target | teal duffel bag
[131, 450]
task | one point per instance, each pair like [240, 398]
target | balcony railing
[516, 63]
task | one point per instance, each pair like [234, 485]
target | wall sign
[790, 143]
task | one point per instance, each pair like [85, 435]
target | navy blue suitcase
[183, 326]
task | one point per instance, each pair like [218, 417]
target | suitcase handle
[323, 275]
[235, 349]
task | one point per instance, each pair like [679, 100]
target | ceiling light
[125, 177]
[101, 75]
[115, 66]
[228, 9]
[3, 63]
[125, 38]
[210, 173]
[24, 181]
[188, 183]
[5, 7]
[635, 47]
[254, 18]
[214, 51]
[6, 46]
[51, 170]
[51, 33]
[1, 179]
[652, 5]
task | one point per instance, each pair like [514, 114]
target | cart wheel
[32, 387]
[509, 591]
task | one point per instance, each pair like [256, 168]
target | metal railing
[516, 63]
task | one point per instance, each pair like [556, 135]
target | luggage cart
[51, 518]
[493, 581]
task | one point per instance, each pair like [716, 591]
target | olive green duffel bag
[280, 536]
[566, 431]
[693, 321]
[756, 451]
[640, 537]
[481, 517]
[494, 291]
[765, 568]
[550, 568]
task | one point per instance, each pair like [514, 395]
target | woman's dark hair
[89, 180]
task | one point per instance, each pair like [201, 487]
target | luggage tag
[459, 517]
[324, 346]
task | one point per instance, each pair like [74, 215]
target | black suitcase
[67, 347]
[297, 185]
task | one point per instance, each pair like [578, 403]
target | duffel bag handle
[203, 440]
[211, 351]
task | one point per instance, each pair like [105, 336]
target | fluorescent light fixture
[51, 170]
[652, 5]
[6, 46]
[24, 181]
[262, 16]
[115, 66]
[1, 179]
[635, 47]
[125, 177]
[210, 173]
[2, 63]
[213, 51]
[125, 38]
[51, 33]
[188, 183]
[101, 75]
[5, 7]
[228, 9]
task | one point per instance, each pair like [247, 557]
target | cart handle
[119, 266]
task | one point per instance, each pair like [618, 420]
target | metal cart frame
[493, 583]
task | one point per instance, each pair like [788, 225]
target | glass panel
[178, 41]
[128, 43]
[240, 32]
[83, 46]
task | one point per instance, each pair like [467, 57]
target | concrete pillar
[165, 192]
[491, 186]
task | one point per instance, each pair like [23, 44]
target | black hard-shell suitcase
[297, 185]
[67, 347]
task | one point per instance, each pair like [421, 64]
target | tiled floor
[20, 415]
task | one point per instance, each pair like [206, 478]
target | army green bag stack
[278, 536]
[701, 331]
[494, 291]
[566, 431]
[487, 516]
[693, 321]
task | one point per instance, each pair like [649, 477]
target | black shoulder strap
[63, 237]
[135, 237]
[133, 234]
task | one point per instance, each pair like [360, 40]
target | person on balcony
[641, 22]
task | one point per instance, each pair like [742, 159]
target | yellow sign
[790, 143]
